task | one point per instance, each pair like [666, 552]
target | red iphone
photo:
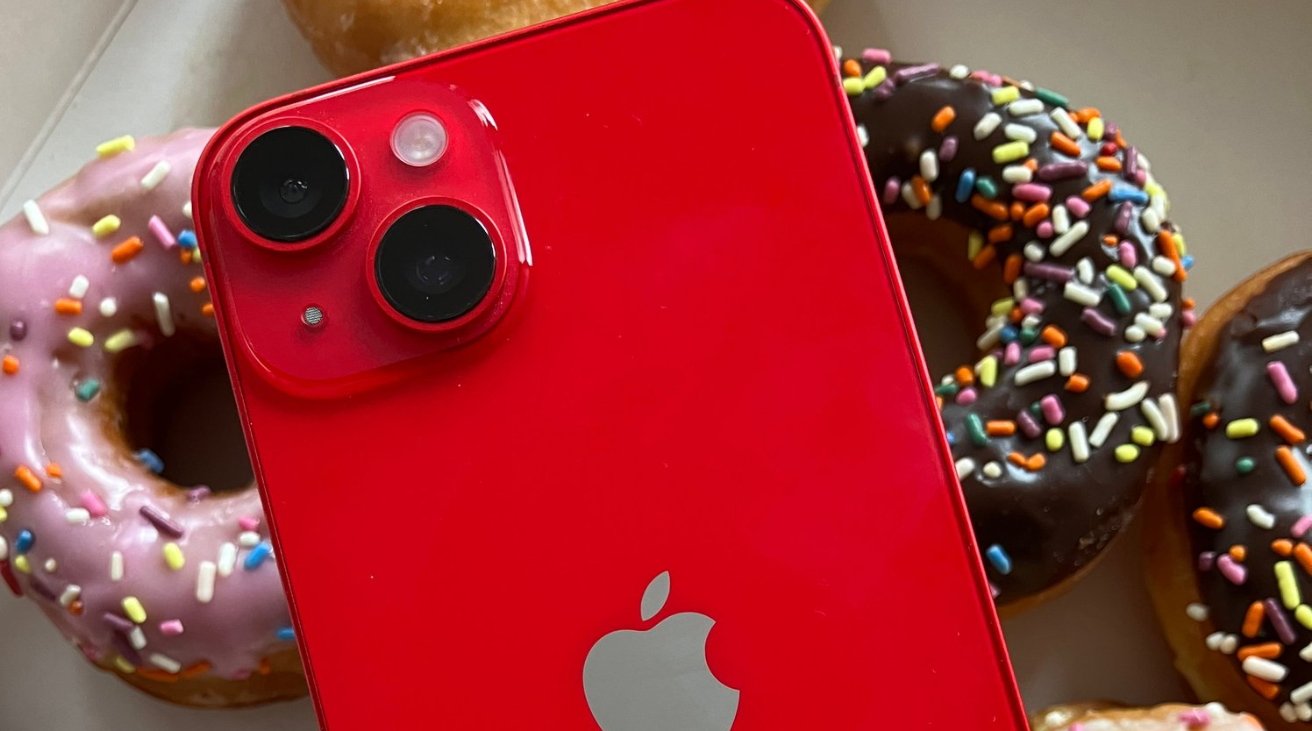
[582, 393]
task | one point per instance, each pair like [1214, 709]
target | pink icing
[44, 422]
[1172, 717]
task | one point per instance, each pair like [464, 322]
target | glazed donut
[350, 36]
[169, 586]
[1044, 222]
[1167, 717]
[1228, 557]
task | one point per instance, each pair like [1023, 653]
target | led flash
[419, 140]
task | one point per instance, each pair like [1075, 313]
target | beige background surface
[1214, 92]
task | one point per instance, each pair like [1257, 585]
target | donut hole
[177, 402]
[949, 298]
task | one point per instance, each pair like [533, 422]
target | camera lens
[435, 263]
[289, 184]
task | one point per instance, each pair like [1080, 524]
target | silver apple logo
[658, 679]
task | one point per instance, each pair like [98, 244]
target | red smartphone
[582, 393]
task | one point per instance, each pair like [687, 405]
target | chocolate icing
[1235, 385]
[1052, 521]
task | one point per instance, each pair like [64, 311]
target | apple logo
[657, 679]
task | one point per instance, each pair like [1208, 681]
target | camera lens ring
[290, 183]
[435, 263]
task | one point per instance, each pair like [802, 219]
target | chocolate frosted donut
[1050, 227]
[1230, 564]
[170, 586]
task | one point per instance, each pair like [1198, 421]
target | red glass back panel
[696, 360]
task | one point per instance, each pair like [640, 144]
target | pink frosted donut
[170, 586]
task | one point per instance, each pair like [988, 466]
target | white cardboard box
[1212, 91]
